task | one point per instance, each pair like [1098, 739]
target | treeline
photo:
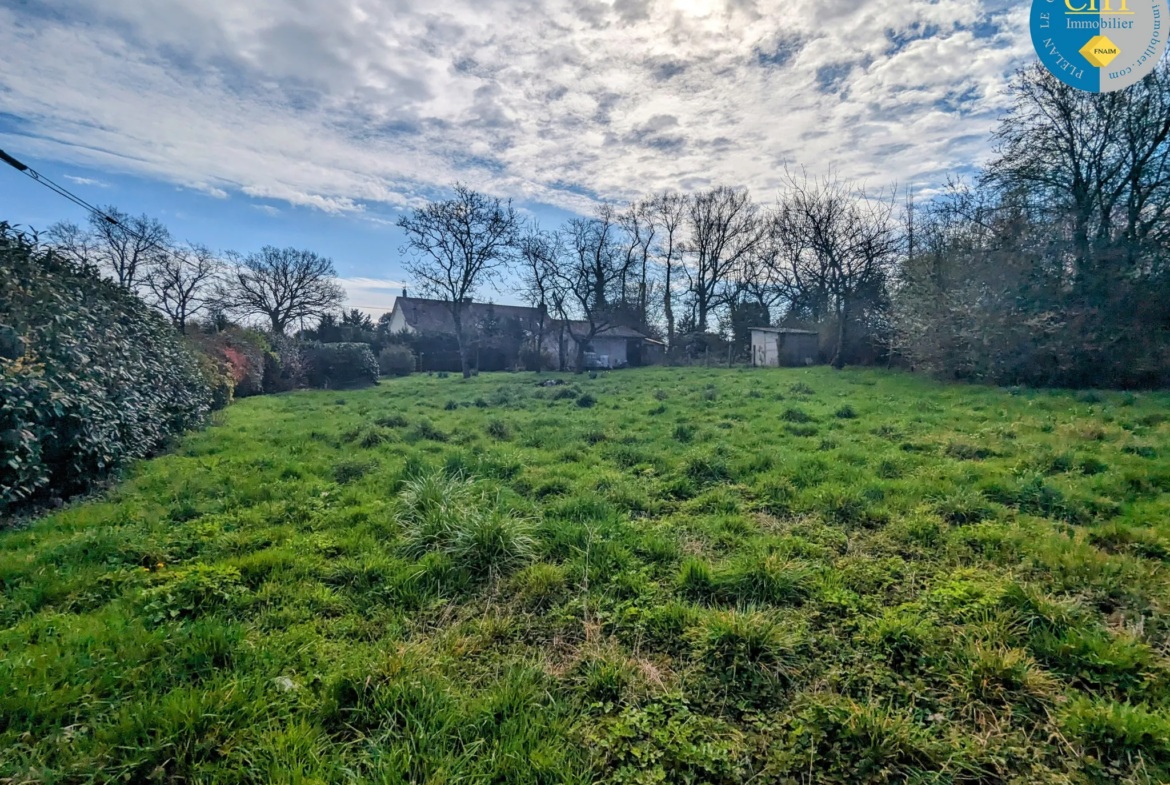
[1053, 268]
[1048, 268]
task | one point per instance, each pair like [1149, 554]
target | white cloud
[375, 296]
[86, 181]
[340, 103]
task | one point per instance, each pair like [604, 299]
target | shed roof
[783, 330]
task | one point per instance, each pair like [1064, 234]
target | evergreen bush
[90, 376]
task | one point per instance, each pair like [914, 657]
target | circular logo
[1100, 45]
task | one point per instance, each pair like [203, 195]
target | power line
[61, 191]
[77, 200]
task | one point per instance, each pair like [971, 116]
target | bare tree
[671, 209]
[123, 245]
[283, 285]
[181, 283]
[590, 276]
[540, 253]
[640, 224]
[839, 244]
[73, 242]
[129, 245]
[757, 279]
[456, 246]
[724, 228]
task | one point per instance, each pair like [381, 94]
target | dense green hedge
[339, 364]
[90, 376]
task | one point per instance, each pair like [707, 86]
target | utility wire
[77, 200]
[61, 191]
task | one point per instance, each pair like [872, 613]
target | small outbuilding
[784, 346]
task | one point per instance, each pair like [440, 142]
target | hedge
[396, 360]
[339, 364]
[90, 376]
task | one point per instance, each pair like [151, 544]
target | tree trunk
[669, 313]
[464, 360]
[839, 352]
[561, 349]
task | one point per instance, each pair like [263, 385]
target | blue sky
[314, 123]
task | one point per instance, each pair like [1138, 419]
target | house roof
[783, 330]
[581, 327]
[433, 316]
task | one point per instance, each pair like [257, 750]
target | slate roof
[433, 316]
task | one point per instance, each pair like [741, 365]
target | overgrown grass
[649, 576]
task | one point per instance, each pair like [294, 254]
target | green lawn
[655, 576]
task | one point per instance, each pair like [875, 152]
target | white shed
[776, 346]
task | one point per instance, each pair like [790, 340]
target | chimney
[404, 293]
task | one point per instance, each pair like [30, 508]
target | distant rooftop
[783, 330]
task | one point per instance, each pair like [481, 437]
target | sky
[315, 123]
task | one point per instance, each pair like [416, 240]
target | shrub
[396, 360]
[330, 365]
[243, 354]
[846, 412]
[586, 401]
[90, 377]
[666, 743]
[684, 432]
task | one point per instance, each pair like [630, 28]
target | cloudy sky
[315, 122]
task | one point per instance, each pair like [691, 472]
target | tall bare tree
[182, 282]
[1098, 163]
[671, 209]
[123, 245]
[456, 246]
[539, 253]
[129, 247]
[724, 228]
[841, 245]
[590, 276]
[640, 224]
[283, 285]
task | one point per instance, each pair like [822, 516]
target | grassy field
[651, 576]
